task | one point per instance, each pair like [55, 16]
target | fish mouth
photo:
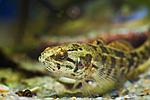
[66, 80]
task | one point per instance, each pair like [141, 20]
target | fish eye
[62, 55]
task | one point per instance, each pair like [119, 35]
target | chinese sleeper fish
[94, 69]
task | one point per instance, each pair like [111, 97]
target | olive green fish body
[93, 69]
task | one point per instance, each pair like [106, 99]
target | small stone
[125, 91]
[3, 89]
[73, 98]
[114, 94]
[99, 98]
[146, 91]
[25, 93]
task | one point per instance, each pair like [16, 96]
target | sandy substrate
[137, 90]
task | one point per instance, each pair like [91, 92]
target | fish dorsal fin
[121, 45]
[99, 42]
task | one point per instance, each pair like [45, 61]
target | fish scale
[93, 69]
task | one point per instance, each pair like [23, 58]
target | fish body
[93, 69]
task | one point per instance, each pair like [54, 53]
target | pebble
[3, 89]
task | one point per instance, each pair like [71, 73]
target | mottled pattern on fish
[93, 69]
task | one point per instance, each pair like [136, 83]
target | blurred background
[24, 24]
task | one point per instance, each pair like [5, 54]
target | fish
[91, 69]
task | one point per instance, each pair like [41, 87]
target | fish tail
[140, 57]
[144, 50]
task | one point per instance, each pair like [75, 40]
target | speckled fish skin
[92, 69]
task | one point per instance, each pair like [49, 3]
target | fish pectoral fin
[121, 45]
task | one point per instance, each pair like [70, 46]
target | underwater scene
[74, 50]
